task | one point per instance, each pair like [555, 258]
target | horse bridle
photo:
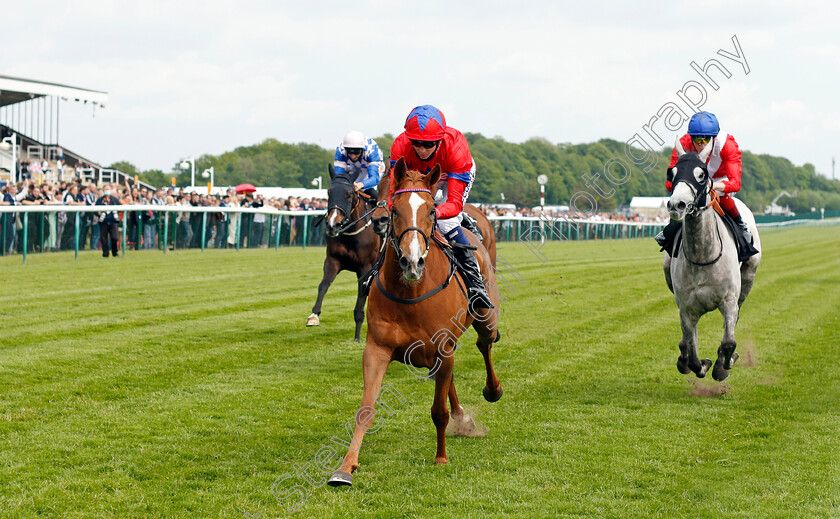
[695, 208]
[345, 225]
[395, 241]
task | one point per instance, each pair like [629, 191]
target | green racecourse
[184, 385]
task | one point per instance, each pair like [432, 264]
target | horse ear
[332, 171]
[434, 175]
[399, 170]
[678, 146]
[356, 176]
[707, 150]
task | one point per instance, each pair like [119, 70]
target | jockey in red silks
[724, 164]
[427, 142]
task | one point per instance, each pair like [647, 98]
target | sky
[191, 78]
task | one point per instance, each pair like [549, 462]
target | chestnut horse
[351, 243]
[488, 234]
[415, 315]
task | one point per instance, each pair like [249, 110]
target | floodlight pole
[212, 173]
[192, 172]
[183, 165]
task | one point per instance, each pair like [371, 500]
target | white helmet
[354, 139]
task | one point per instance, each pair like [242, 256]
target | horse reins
[694, 211]
[395, 244]
[343, 229]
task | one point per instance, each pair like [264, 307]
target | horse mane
[412, 176]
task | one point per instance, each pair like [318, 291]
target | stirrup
[660, 238]
[479, 299]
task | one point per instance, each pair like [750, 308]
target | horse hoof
[341, 479]
[705, 364]
[735, 357]
[488, 396]
[313, 320]
[720, 371]
[441, 461]
[682, 366]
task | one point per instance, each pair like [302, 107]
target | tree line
[512, 169]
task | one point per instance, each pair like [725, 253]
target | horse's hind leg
[689, 360]
[462, 424]
[486, 327]
[748, 270]
[726, 351]
[331, 269]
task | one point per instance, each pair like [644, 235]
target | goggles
[424, 144]
[354, 151]
[702, 138]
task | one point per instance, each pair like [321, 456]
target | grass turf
[185, 385]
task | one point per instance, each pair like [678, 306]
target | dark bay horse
[416, 316]
[488, 234]
[351, 243]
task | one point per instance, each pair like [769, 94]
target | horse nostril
[404, 263]
[420, 263]
[383, 221]
[681, 206]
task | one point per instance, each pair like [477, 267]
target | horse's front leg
[359, 310]
[331, 270]
[726, 351]
[375, 362]
[689, 360]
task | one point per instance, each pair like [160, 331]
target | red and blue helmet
[425, 123]
[703, 123]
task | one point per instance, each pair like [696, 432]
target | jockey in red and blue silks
[724, 165]
[425, 143]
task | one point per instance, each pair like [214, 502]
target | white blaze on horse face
[333, 216]
[415, 249]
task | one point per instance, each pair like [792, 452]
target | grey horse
[706, 273]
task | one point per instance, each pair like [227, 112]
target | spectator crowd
[56, 230]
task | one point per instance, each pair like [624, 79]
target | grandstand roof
[14, 90]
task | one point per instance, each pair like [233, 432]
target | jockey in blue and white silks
[358, 153]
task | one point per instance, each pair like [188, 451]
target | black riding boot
[744, 229]
[469, 223]
[468, 266]
[666, 236]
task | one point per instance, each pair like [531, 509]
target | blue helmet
[703, 123]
